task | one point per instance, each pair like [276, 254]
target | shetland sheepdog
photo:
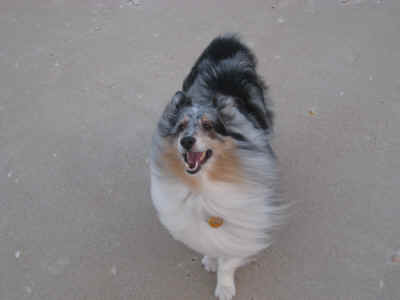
[213, 172]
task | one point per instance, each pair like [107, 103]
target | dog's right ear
[171, 112]
[179, 100]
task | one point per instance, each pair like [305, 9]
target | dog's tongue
[193, 157]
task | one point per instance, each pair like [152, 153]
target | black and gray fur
[223, 81]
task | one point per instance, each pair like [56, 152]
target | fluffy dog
[213, 172]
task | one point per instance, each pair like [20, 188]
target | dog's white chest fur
[185, 214]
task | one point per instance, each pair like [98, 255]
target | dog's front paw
[225, 292]
[209, 263]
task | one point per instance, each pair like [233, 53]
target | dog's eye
[207, 126]
[181, 127]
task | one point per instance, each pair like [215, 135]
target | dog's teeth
[202, 156]
[194, 168]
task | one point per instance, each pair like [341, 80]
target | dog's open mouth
[194, 160]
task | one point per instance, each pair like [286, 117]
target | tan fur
[226, 164]
[210, 133]
[174, 163]
[204, 119]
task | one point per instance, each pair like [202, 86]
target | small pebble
[381, 284]
[28, 290]
[134, 2]
[58, 267]
[311, 112]
[113, 270]
[281, 20]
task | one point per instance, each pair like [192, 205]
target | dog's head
[204, 136]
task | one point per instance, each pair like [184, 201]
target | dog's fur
[223, 106]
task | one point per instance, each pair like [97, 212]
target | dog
[213, 172]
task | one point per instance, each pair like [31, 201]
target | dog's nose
[187, 142]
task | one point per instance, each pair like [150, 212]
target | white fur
[246, 210]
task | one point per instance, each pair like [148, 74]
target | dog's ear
[232, 109]
[171, 112]
[179, 100]
[226, 107]
[238, 123]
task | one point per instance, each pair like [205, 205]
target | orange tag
[215, 222]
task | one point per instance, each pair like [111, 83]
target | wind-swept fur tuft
[228, 67]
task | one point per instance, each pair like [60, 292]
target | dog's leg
[210, 263]
[225, 289]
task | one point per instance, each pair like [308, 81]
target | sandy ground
[82, 84]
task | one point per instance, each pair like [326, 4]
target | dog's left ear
[226, 107]
[171, 112]
[252, 109]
